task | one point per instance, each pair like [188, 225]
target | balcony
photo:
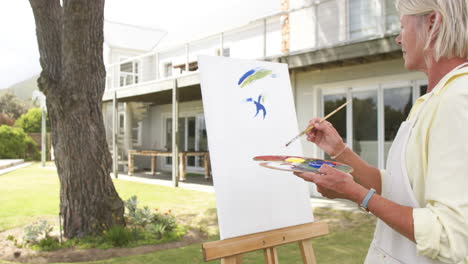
[322, 34]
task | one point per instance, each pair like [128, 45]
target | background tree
[6, 120]
[15, 144]
[31, 122]
[70, 38]
[12, 106]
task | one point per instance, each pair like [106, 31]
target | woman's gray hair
[450, 30]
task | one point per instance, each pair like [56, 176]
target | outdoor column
[115, 157]
[175, 132]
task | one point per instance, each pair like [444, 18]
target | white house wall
[207, 46]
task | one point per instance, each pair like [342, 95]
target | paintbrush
[321, 120]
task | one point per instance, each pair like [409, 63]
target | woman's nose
[398, 40]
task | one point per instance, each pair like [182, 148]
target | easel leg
[237, 259]
[307, 252]
[270, 255]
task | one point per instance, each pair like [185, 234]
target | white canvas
[251, 198]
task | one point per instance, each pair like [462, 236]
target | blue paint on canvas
[259, 106]
[252, 76]
[247, 74]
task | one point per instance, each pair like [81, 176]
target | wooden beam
[238, 245]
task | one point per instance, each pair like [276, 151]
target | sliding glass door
[330, 103]
[369, 125]
[192, 137]
[364, 124]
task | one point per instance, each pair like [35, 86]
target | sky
[183, 20]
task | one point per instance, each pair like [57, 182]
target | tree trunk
[70, 39]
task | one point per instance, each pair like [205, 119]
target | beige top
[437, 166]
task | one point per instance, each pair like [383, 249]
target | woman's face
[411, 44]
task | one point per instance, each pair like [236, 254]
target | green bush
[31, 121]
[47, 244]
[15, 144]
[37, 231]
[118, 236]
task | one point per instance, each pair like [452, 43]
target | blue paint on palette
[259, 106]
[319, 163]
[247, 74]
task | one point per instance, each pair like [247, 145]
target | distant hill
[24, 89]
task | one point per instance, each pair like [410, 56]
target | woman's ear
[433, 22]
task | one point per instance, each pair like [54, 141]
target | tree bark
[70, 39]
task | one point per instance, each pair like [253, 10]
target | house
[336, 50]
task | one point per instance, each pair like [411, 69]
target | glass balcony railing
[325, 23]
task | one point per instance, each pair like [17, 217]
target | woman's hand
[331, 183]
[326, 137]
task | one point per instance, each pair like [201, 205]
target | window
[392, 19]
[363, 18]
[168, 69]
[192, 137]
[369, 127]
[226, 52]
[331, 102]
[397, 105]
[422, 89]
[137, 128]
[129, 73]
[121, 122]
[365, 125]
[328, 23]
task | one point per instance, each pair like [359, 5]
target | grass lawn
[32, 192]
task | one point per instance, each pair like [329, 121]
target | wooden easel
[230, 250]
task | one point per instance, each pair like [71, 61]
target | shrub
[15, 144]
[131, 204]
[48, 244]
[167, 220]
[31, 122]
[33, 233]
[158, 230]
[137, 216]
[118, 236]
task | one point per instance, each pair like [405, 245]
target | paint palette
[299, 164]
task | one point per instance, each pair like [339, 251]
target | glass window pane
[191, 121]
[328, 23]
[365, 126]
[126, 67]
[202, 139]
[392, 19]
[397, 105]
[362, 18]
[168, 146]
[422, 90]
[182, 146]
[331, 102]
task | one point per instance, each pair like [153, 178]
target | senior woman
[421, 200]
